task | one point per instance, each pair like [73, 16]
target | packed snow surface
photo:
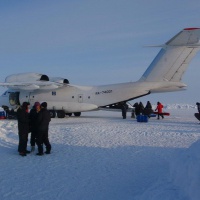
[100, 156]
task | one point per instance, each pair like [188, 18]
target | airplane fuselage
[83, 98]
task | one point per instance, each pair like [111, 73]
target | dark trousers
[33, 138]
[23, 139]
[124, 113]
[160, 114]
[42, 138]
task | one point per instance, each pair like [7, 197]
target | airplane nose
[4, 100]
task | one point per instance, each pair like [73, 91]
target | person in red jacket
[159, 109]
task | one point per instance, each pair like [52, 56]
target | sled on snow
[164, 113]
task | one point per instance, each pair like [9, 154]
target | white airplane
[163, 75]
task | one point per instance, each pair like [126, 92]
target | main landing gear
[61, 114]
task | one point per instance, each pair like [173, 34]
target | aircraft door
[14, 98]
[80, 98]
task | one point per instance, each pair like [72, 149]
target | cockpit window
[14, 98]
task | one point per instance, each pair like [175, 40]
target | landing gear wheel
[52, 113]
[77, 114]
[69, 114]
[60, 113]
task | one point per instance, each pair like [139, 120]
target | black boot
[39, 154]
[22, 154]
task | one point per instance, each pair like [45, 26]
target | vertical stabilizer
[174, 57]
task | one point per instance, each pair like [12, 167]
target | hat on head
[44, 104]
[25, 104]
[37, 104]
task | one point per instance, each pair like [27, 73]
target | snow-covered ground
[101, 156]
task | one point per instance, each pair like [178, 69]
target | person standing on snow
[137, 109]
[148, 109]
[124, 108]
[197, 115]
[198, 107]
[23, 128]
[159, 109]
[141, 108]
[43, 127]
[33, 124]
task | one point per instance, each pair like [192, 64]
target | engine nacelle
[59, 80]
[26, 77]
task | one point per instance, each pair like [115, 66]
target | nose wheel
[57, 113]
[52, 113]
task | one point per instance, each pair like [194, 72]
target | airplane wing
[32, 85]
[33, 81]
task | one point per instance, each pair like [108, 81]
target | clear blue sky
[93, 42]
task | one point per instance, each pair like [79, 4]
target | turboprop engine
[27, 77]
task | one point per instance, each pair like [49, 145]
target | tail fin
[174, 57]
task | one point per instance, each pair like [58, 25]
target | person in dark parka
[148, 109]
[124, 108]
[198, 106]
[137, 109]
[23, 128]
[141, 108]
[33, 124]
[43, 127]
[197, 115]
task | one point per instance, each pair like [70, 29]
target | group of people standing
[37, 123]
[148, 110]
